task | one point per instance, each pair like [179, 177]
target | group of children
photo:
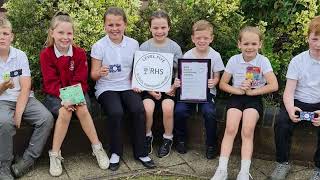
[64, 64]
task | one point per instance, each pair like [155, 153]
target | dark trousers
[183, 111]
[114, 104]
[283, 131]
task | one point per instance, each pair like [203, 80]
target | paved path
[192, 165]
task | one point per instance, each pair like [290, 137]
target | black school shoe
[22, 167]
[148, 144]
[148, 164]
[165, 148]
[211, 152]
[181, 147]
[114, 166]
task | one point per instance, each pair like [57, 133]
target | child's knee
[64, 114]
[231, 131]
[247, 133]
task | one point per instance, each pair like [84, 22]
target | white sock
[149, 134]
[114, 158]
[96, 146]
[223, 163]
[245, 166]
[145, 159]
[167, 137]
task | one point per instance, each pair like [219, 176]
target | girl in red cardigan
[63, 64]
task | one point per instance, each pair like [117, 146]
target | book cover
[254, 73]
[72, 94]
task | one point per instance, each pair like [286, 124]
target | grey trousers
[37, 116]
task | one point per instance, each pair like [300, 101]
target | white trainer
[101, 156]
[55, 163]
[244, 176]
[220, 175]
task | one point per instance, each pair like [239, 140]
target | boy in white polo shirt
[302, 93]
[202, 37]
[17, 103]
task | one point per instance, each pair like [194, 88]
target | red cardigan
[63, 71]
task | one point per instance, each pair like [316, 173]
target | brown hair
[57, 18]
[159, 14]
[5, 23]
[251, 29]
[117, 12]
[314, 26]
[202, 25]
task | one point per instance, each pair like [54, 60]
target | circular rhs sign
[153, 70]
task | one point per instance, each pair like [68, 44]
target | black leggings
[114, 104]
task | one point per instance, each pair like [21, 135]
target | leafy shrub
[283, 21]
[31, 18]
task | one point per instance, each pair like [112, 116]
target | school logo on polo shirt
[152, 71]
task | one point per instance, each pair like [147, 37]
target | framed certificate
[194, 74]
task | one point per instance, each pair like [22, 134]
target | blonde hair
[5, 23]
[202, 25]
[57, 18]
[251, 29]
[314, 26]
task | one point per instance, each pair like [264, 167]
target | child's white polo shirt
[238, 68]
[17, 60]
[119, 56]
[306, 70]
[216, 62]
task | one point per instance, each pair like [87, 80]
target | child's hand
[156, 95]
[7, 85]
[294, 118]
[246, 84]
[210, 83]
[316, 121]
[172, 91]
[68, 106]
[17, 119]
[104, 70]
[177, 83]
[249, 92]
[136, 90]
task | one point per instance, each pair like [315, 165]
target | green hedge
[283, 21]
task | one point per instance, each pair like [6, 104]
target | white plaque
[152, 71]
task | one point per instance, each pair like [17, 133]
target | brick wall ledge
[303, 142]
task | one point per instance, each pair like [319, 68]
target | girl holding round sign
[159, 27]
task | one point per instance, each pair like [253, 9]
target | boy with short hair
[302, 93]
[17, 103]
[202, 37]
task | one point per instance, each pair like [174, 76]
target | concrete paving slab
[182, 169]
[171, 160]
[192, 155]
[84, 166]
[303, 174]
[41, 171]
[203, 167]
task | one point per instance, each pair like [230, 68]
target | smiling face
[249, 44]
[6, 37]
[159, 29]
[202, 40]
[63, 36]
[115, 26]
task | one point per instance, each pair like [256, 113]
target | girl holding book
[64, 64]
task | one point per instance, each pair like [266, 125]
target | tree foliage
[284, 23]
